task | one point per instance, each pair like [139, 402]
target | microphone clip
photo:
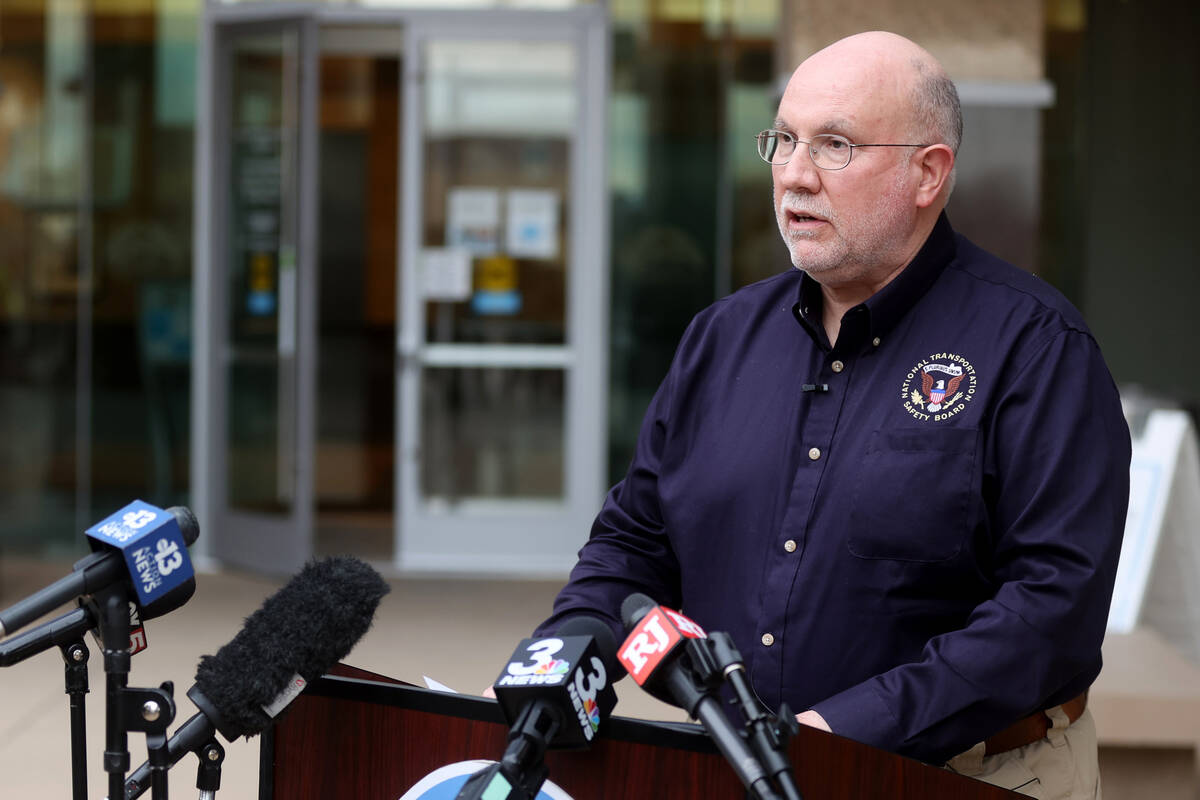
[148, 711]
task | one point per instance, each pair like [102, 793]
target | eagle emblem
[935, 389]
[939, 387]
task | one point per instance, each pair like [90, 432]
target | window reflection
[261, 223]
[41, 126]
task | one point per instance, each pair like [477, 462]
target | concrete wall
[974, 40]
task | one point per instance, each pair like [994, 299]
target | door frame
[532, 538]
[265, 542]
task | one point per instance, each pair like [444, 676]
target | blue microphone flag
[152, 545]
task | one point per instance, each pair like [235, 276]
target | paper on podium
[437, 686]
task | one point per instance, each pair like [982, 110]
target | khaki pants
[1062, 766]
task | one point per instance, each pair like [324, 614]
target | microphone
[295, 637]
[667, 655]
[140, 545]
[567, 673]
[555, 692]
[656, 636]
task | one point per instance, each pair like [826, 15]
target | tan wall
[976, 40]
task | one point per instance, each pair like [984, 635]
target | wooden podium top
[373, 739]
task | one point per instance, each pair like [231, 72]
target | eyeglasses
[827, 150]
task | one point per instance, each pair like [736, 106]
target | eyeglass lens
[826, 150]
[770, 146]
[829, 151]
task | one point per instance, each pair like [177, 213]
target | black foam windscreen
[188, 526]
[601, 633]
[303, 629]
[634, 607]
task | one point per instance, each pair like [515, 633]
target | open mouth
[802, 217]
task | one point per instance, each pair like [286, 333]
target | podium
[359, 736]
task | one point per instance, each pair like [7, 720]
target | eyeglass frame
[837, 136]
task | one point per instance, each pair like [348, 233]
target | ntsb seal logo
[938, 387]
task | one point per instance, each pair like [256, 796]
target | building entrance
[399, 290]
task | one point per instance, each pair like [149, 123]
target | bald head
[898, 78]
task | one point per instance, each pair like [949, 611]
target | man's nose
[800, 173]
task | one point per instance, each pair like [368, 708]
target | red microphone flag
[653, 639]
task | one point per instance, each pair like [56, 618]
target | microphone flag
[654, 639]
[152, 544]
[549, 667]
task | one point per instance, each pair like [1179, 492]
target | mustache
[798, 203]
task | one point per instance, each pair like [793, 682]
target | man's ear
[936, 161]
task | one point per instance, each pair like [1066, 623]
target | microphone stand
[695, 687]
[148, 711]
[65, 632]
[522, 770]
[767, 733]
[208, 771]
[114, 634]
[75, 678]
[194, 736]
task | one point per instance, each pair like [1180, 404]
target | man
[898, 474]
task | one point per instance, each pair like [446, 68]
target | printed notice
[473, 220]
[532, 224]
[446, 274]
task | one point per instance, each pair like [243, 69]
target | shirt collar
[889, 305]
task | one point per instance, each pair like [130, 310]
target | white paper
[532, 224]
[473, 219]
[446, 273]
[437, 686]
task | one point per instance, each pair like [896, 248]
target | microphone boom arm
[58, 632]
[191, 737]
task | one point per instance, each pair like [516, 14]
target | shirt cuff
[860, 714]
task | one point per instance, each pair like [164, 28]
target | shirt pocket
[912, 495]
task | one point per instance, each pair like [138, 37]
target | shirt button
[837, 366]
[768, 639]
[790, 545]
[814, 453]
[875, 341]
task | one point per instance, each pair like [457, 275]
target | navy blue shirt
[914, 532]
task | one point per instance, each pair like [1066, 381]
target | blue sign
[153, 546]
[486, 301]
[260, 303]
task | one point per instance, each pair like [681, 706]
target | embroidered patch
[938, 387]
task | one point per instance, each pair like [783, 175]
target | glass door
[401, 284]
[263, 253]
[501, 344]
